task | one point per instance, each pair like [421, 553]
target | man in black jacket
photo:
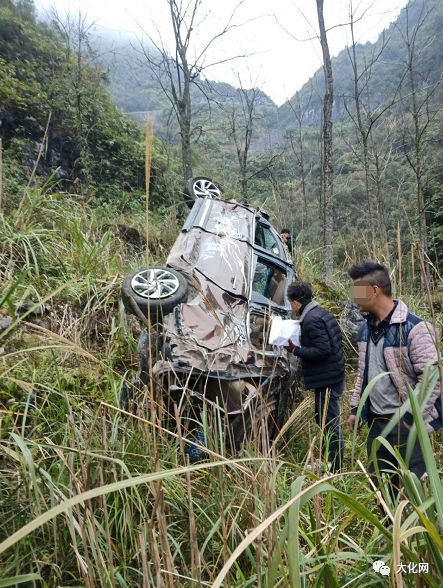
[322, 360]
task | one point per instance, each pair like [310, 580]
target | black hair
[300, 291]
[375, 273]
[285, 231]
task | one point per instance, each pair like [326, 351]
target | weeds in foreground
[93, 496]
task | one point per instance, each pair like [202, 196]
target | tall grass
[109, 501]
[92, 496]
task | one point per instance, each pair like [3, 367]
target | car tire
[201, 187]
[154, 290]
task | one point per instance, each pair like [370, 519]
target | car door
[270, 278]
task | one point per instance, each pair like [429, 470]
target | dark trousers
[328, 418]
[398, 437]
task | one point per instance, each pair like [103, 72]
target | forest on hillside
[373, 114]
[100, 490]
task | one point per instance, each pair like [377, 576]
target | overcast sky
[278, 36]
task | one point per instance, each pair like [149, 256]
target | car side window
[259, 326]
[269, 282]
[266, 239]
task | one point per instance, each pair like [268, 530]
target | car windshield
[269, 282]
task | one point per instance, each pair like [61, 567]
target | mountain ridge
[127, 68]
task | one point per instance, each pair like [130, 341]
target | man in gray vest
[396, 341]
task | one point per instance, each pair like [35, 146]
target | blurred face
[296, 306]
[366, 295]
[285, 237]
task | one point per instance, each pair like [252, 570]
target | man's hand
[351, 422]
[291, 346]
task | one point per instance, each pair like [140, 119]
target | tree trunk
[421, 119]
[185, 136]
[364, 140]
[244, 186]
[304, 215]
[328, 172]
[242, 139]
[186, 153]
[299, 153]
[381, 205]
[422, 225]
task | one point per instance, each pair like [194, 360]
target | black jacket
[321, 348]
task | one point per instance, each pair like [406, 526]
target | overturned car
[207, 315]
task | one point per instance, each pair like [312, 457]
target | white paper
[281, 330]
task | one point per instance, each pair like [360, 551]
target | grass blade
[13, 581]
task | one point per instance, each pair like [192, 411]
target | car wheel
[154, 290]
[201, 187]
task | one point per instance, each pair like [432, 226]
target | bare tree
[416, 98]
[328, 170]
[381, 142]
[241, 125]
[177, 74]
[358, 120]
[297, 142]
[365, 117]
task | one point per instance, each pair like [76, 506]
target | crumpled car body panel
[209, 333]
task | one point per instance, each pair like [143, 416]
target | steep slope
[54, 110]
[388, 72]
[136, 89]
[133, 82]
